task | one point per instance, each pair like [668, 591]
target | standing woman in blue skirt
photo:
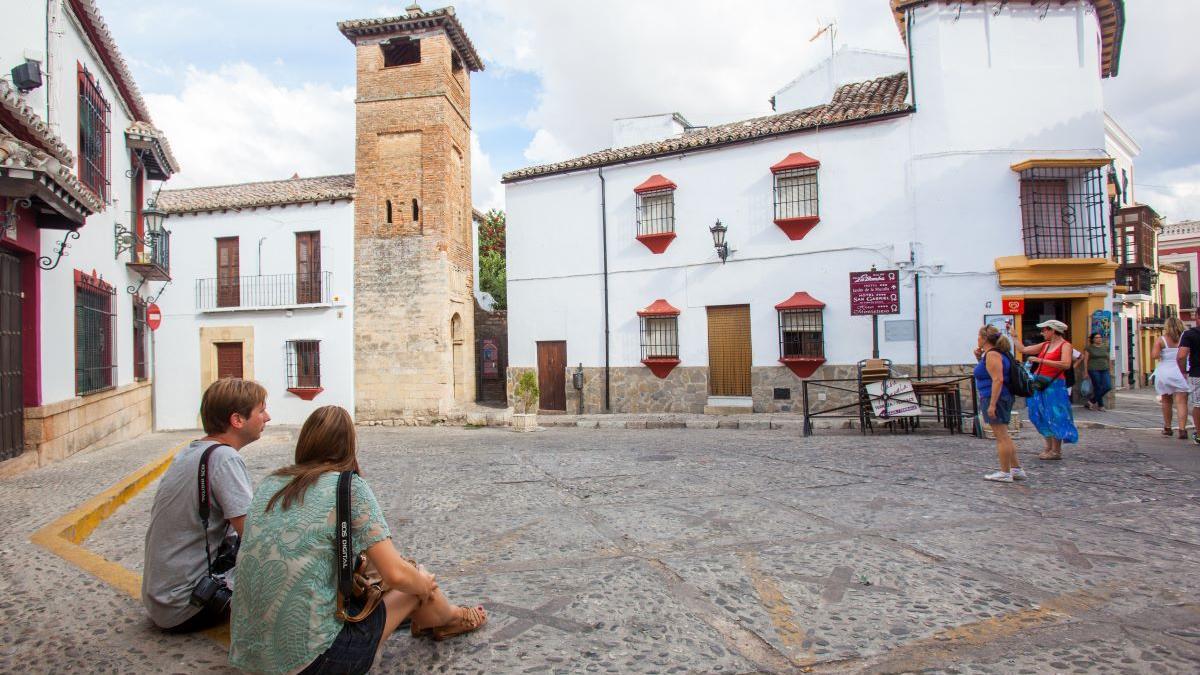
[1050, 405]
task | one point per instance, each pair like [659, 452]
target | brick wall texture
[413, 275]
[493, 326]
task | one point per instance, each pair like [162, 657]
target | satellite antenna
[823, 28]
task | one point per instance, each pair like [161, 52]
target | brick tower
[414, 330]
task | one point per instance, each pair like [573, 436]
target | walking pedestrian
[1169, 381]
[994, 352]
[1096, 364]
[1050, 406]
[1188, 360]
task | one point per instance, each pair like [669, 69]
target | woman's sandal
[1183, 434]
[472, 618]
[1167, 431]
[1050, 456]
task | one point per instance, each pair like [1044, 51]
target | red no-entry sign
[153, 316]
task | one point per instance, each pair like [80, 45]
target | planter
[524, 422]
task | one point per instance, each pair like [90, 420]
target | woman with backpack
[994, 384]
[289, 613]
[1050, 405]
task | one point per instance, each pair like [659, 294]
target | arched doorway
[456, 341]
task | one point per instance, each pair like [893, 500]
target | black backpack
[1020, 383]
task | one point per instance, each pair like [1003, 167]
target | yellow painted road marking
[777, 606]
[64, 537]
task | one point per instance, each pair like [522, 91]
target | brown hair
[225, 397]
[1174, 328]
[327, 443]
[995, 338]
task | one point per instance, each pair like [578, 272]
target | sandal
[472, 618]
[1048, 456]
[1168, 432]
[1183, 434]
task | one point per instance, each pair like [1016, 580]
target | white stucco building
[78, 155]
[981, 168]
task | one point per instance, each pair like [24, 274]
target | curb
[64, 537]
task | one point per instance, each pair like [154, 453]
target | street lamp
[718, 235]
[153, 217]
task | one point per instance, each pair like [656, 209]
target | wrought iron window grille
[659, 337]
[1062, 213]
[139, 337]
[93, 135]
[796, 194]
[95, 335]
[303, 364]
[801, 333]
[656, 212]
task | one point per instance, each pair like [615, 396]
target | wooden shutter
[308, 267]
[729, 350]
[229, 359]
[12, 410]
[228, 273]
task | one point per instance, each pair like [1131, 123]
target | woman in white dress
[1168, 381]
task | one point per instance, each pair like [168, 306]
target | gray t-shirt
[175, 541]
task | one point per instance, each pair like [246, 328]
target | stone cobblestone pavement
[694, 550]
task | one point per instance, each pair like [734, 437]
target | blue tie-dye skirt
[1050, 412]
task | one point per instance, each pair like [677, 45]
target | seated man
[233, 412]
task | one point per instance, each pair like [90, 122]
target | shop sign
[153, 316]
[1013, 305]
[874, 292]
[490, 354]
[893, 398]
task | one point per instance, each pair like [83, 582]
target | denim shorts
[1004, 406]
[353, 650]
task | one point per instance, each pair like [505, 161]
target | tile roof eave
[258, 194]
[517, 176]
[355, 28]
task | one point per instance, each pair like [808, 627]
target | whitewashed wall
[932, 192]
[177, 342]
[24, 31]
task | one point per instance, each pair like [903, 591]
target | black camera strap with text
[205, 500]
[345, 557]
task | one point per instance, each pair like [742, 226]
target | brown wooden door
[552, 375]
[229, 283]
[229, 359]
[308, 267]
[729, 350]
[12, 411]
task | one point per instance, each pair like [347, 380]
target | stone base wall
[685, 390]
[58, 430]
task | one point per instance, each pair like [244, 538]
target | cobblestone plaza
[694, 550]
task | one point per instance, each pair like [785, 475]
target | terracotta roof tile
[147, 130]
[852, 102]
[416, 19]
[251, 195]
[104, 42]
[31, 125]
[17, 154]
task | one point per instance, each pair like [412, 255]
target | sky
[264, 89]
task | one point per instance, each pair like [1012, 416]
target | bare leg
[1195, 420]
[437, 612]
[1181, 410]
[1004, 448]
[1057, 445]
[1167, 402]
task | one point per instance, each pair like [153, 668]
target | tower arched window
[388, 208]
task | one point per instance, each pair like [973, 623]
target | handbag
[1085, 388]
[357, 577]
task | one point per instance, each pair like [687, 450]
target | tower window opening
[416, 210]
[400, 51]
[456, 63]
[388, 205]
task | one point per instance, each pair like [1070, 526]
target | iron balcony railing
[1159, 313]
[153, 262]
[264, 291]
[1137, 279]
[1062, 213]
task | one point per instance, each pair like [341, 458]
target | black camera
[226, 556]
[211, 593]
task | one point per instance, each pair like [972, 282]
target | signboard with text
[874, 292]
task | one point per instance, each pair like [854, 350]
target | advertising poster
[1102, 323]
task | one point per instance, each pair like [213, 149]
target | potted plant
[526, 393]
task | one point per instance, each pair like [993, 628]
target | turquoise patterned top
[286, 587]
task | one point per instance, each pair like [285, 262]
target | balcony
[269, 291]
[153, 260]
[1157, 314]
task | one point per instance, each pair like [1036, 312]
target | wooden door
[229, 360]
[229, 284]
[12, 411]
[729, 350]
[308, 267]
[552, 375]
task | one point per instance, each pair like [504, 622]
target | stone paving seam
[65, 536]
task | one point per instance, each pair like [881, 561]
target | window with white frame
[656, 212]
[660, 337]
[796, 194]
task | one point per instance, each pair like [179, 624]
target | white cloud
[486, 190]
[234, 125]
[546, 148]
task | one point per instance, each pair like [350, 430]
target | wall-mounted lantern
[718, 235]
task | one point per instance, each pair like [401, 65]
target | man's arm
[1181, 359]
[238, 523]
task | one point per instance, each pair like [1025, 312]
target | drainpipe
[917, 304]
[604, 244]
[912, 78]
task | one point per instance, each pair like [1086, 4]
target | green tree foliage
[492, 275]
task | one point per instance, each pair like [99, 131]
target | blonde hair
[994, 337]
[1174, 328]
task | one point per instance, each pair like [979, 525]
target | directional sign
[874, 292]
[153, 316]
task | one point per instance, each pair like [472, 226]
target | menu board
[874, 292]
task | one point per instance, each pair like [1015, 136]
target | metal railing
[264, 291]
[156, 253]
[848, 399]
[1159, 313]
[1062, 213]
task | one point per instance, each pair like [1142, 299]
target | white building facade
[958, 174]
[264, 291]
[78, 155]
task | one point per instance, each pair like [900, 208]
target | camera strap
[345, 557]
[205, 500]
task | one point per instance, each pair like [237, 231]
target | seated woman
[284, 610]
